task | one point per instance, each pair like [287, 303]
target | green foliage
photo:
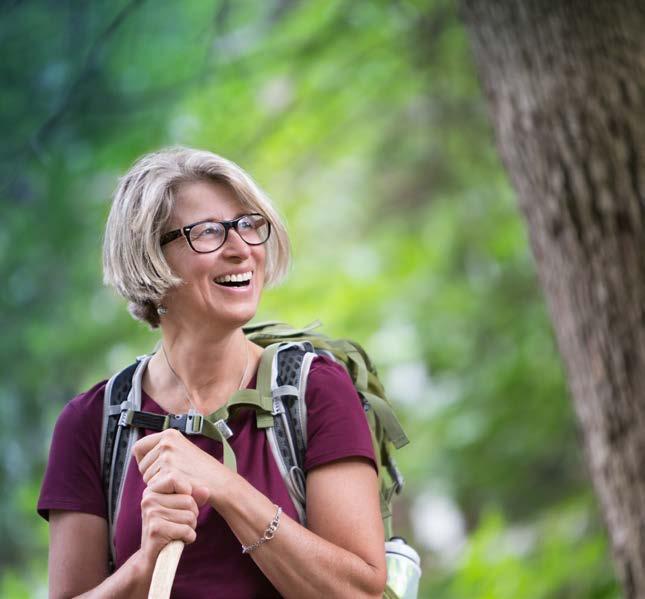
[364, 121]
[505, 562]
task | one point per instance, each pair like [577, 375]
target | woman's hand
[167, 517]
[168, 459]
[177, 474]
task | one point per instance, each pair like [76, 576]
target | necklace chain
[187, 396]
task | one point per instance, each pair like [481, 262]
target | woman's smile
[234, 279]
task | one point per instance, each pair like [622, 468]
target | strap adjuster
[278, 406]
[223, 428]
[125, 413]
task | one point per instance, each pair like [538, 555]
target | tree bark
[565, 84]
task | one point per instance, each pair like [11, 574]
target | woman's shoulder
[72, 479]
[326, 370]
[329, 386]
[85, 406]
[336, 423]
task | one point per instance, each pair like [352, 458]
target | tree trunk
[565, 82]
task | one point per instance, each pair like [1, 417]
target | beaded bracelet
[268, 533]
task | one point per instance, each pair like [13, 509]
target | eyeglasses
[207, 235]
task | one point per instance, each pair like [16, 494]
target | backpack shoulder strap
[122, 393]
[282, 375]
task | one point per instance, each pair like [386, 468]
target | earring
[162, 310]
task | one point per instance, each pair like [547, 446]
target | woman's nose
[235, 245]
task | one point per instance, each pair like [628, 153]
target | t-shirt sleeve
[72, 478]
[336, 424]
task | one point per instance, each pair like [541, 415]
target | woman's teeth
[234, 280]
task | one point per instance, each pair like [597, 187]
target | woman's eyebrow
[218, 219]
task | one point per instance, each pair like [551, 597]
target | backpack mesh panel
[289, 366]
[283, 444]
[109, 448]
[119, 471]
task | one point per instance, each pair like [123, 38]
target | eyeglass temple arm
[170, 236]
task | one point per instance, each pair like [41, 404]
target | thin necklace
[187, 395]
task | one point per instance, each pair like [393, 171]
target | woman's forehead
[199, 200]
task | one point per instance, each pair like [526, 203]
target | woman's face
[200, 297]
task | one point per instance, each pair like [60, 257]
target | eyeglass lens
[208, 236]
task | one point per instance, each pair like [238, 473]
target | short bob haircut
[133, 262]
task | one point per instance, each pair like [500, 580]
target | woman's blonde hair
[133, 262]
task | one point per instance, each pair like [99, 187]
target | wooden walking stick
[165, 568]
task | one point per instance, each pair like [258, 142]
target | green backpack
[279, 403]
[288, 354]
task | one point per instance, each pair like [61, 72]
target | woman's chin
[235, 317]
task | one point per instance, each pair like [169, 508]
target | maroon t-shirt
[212, 566]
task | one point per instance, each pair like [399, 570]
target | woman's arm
[342, 552]
[78, 548]
[78, 560]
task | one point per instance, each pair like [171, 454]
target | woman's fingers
[152, 466]
[152, 500]
[164, 481]
[152, 455]
[170, 504]
[163, 463]
[183, 517]
[161, 532]
[166, 517]
[145, 444]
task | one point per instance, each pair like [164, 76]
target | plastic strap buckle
[191, 423]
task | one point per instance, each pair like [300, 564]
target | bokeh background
[364, 121]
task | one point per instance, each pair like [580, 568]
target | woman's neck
[204, 368]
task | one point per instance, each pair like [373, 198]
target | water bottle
[403, 568]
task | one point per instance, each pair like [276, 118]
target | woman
[191, 242]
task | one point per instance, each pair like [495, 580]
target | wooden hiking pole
[165, 568]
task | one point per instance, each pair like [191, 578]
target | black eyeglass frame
[227, 224]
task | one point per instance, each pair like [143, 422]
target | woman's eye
[253, 222]
[206, 231]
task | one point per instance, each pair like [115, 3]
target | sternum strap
[149, 420]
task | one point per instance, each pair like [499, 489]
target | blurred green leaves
[365, 123]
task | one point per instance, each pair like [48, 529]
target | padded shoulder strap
[282, 375]
[122, 393]
[116, 392]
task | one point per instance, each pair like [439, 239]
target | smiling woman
[209, 253]
[191, 242]
[145, 212]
